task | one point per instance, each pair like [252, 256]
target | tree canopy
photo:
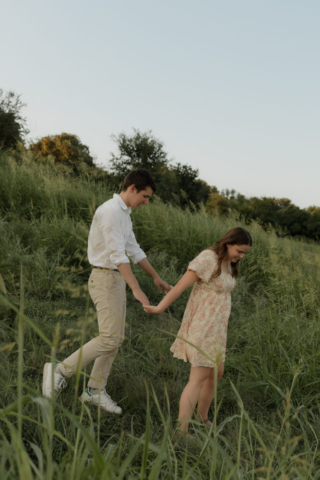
[140, 150]
[143, 150]
[65, 149]
[12, 123]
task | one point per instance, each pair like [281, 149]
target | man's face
[140, 198]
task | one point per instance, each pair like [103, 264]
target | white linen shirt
[111, 236]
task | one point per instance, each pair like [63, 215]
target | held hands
[151, 309]
[158, 309]
[172, 293]
[141, 297]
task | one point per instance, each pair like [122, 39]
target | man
[110, 237]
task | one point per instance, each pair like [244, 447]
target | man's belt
[104, 268]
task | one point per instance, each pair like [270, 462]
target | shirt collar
[121, 202]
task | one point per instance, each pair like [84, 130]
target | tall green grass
[31, 190]
[267, 404]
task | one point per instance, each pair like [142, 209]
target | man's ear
[132, 188]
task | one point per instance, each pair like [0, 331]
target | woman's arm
[188, 279]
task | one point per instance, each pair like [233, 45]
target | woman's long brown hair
[236, 236]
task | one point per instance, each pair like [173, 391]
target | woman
[205, 320]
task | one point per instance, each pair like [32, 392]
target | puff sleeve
[204, 265]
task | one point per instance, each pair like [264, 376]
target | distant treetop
[12, 124]
[65, 148]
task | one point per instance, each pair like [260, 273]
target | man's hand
[162, 284]
[126, 272]
[150, 309]
[145, 265]
[140, 296]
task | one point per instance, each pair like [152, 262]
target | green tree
[267, 208]
[313, 209]
[140, 150]
[185, 178]
[12, 123]
[217, 202]
[202, 191]
[143, 150]
[65, 149]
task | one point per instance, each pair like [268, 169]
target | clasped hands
[159, 284]
[141, 297]
[152, 309]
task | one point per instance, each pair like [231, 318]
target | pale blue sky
[231, 87]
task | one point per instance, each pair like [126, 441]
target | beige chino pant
[108, 292]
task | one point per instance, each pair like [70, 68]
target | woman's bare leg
[207, 392]
[190, 395]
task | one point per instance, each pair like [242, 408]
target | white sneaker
[102, 399]
[58, 381]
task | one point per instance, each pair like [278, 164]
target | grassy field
[267, 404]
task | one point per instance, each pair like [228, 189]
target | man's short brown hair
[140, 178]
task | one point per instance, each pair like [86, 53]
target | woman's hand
[151, 309]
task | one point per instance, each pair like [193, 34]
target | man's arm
[147, 267]
[126, 272]
[188, 279]
[115, 249]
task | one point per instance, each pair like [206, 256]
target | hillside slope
[272, 361]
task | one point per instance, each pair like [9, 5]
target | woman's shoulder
[208, 254]
[207, 257]
[204, 264]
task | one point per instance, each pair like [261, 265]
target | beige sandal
[207, 422]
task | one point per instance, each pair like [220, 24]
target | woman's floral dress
[205, 320]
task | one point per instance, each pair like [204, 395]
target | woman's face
[236, 252]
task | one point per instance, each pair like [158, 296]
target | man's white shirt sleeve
[119, 237]
[133, 249]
